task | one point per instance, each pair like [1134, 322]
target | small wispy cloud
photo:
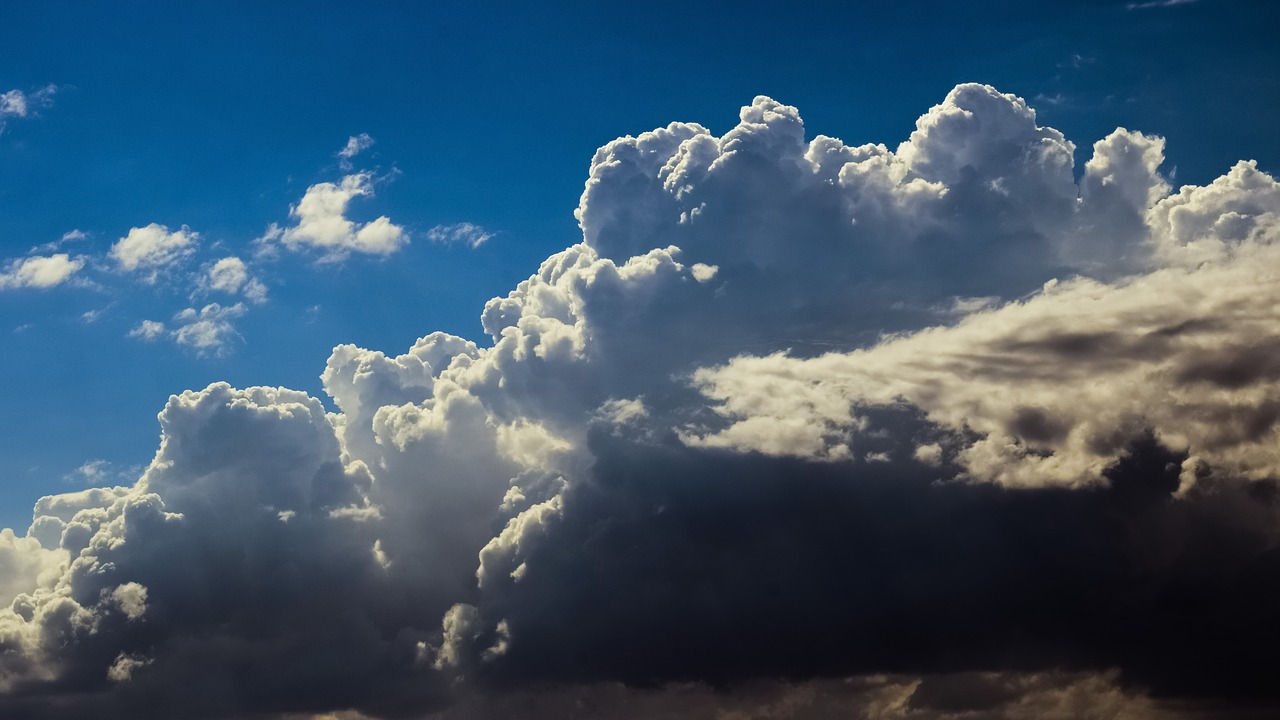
[148, 330]
[471, 235]
[1156, 4]
[16, 103]
[356, 144]
[207, 331]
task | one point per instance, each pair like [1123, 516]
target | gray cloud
[797, 426]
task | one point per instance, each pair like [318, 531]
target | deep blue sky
[218, 116]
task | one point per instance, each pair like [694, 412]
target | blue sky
[377, 359]
[218, 117]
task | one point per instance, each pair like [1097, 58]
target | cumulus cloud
[934, 431]
[323, 225]
[40, 271]
[230, 275]
[473, 236]
[152, 249]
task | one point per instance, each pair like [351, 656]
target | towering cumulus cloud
[798, 428]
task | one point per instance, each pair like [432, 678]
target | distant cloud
[208, 330]
[71, 236]
[39, 271]
[1156, 4]
[16, 103]
[356, 144]
[148, 330]
[93, 472]
[473, 236]
[231, 276]
[323, 225]
[153, 248]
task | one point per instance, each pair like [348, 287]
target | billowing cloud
[153, 248]
[323, 225]
[936, 431]
[40, 271]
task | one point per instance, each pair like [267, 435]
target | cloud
[71, 236]
[208, 331]
[40, 271]
[356, 144]
[153, 248]
[935, 431]
[323, 225]
[1156, 4]
[473, 236]
[16, 103]
[231, 276]
[148, 330]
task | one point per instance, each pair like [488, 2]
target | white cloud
[16, 103]
[153, 248]
[148, 330]
[40, 271]
[209, 329]
[473, 236]
[231, 276]
[323, 225]
[356, 144]
[93, 471]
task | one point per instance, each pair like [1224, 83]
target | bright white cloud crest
[323, 225]
[40, 271]
[410, 533]
[153, 248]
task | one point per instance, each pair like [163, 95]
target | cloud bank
[936, 431]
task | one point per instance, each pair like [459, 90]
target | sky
[674, 359]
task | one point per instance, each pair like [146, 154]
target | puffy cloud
[153, 248]
[473, 236]
[40, 271]
[231, 276]
[323, 225]
[787, 421]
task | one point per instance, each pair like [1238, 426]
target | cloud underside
[928, 432]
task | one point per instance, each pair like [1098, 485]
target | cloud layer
[935, 431]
